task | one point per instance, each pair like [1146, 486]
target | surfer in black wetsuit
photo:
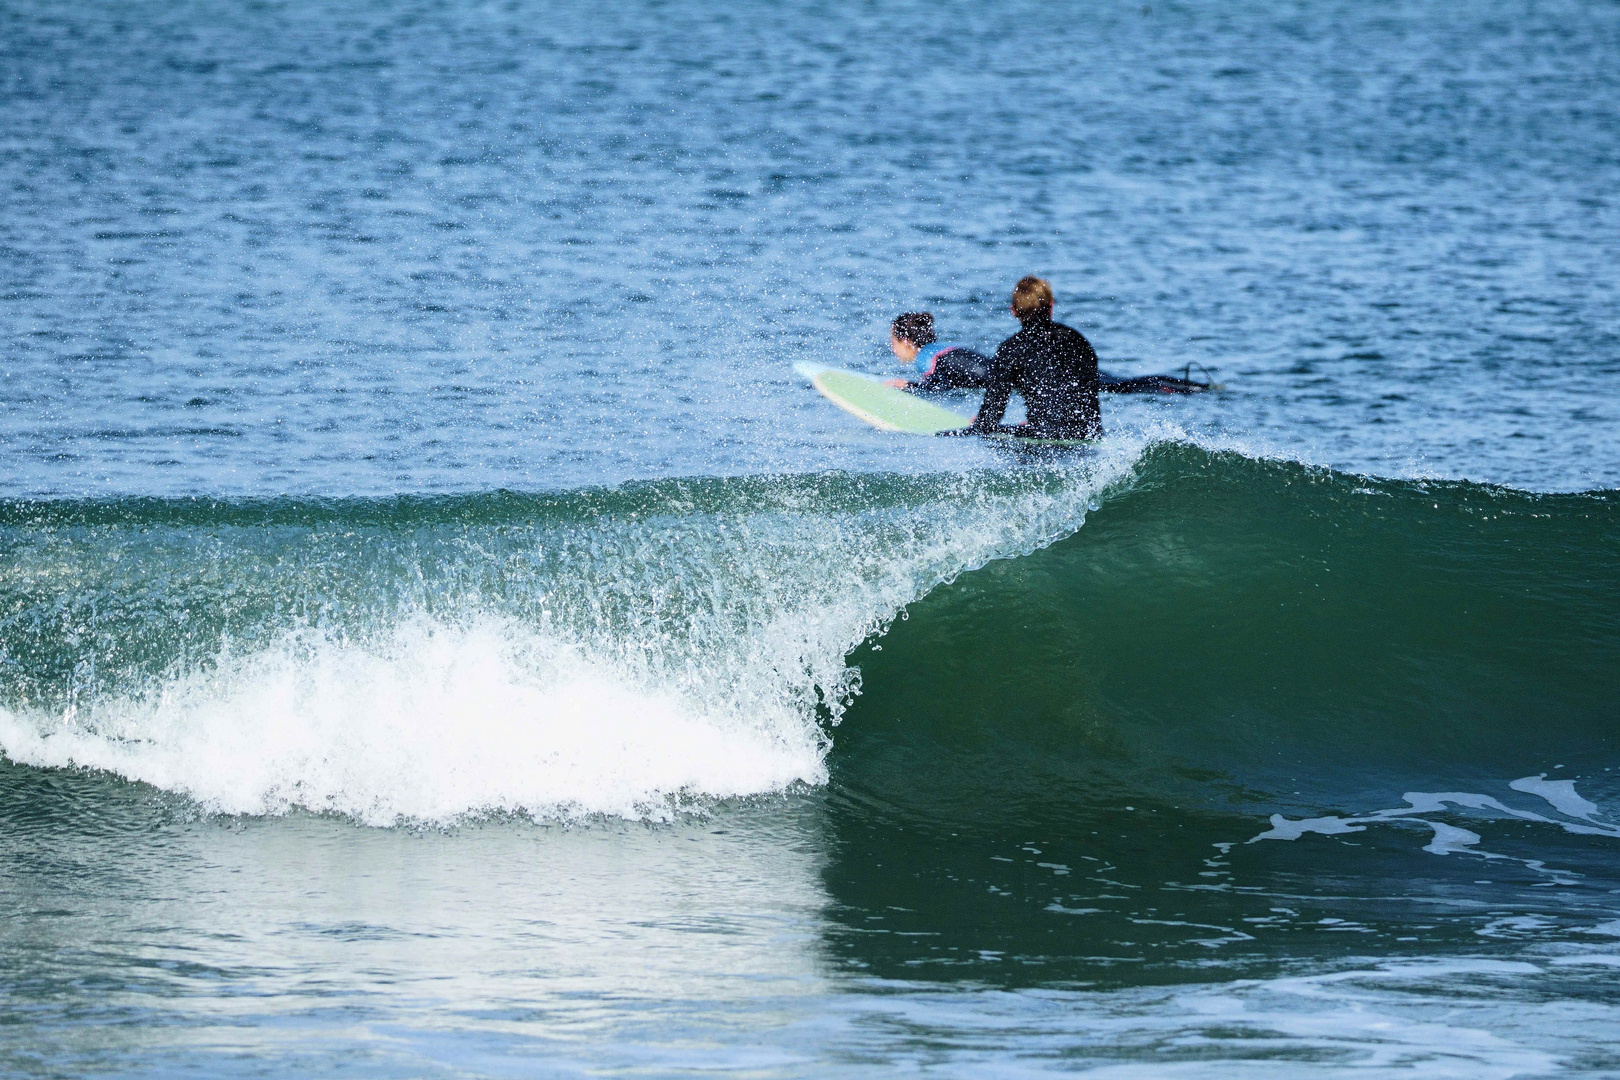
[1053, 366]
[943, 366]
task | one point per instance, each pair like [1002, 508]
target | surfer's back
[1055, 368]
[1052, 365]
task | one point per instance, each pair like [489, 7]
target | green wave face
[1270, 622]
[1070, 758]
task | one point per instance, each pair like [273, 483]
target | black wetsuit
[1054, 368]
[952, 368]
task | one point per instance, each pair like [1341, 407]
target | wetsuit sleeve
[996, 392]
[941, 374]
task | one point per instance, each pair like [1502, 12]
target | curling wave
[627, 652]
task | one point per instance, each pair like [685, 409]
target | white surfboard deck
[884, 407]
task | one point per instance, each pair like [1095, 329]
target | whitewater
[440, 635]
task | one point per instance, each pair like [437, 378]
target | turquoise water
[440, 635]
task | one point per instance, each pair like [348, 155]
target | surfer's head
[909, 333]
[1032, 299]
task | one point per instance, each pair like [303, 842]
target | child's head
[916, 328]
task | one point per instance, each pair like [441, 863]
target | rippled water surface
[366, 248]
[441, 636]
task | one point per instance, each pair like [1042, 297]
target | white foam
[1560, 793]
[439, 722]
[1449, 839]
[1284, 829]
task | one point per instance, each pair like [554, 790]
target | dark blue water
[441, 636]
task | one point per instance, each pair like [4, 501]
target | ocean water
[440, 636]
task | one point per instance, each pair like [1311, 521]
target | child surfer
[944, 366]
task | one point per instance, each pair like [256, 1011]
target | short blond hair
[1030, 296]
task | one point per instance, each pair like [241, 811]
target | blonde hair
[1030, 296]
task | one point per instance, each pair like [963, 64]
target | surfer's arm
[994, 406]
[930, 381]
[1000, 381]
[937, 379]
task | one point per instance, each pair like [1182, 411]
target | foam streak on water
[1449, 839]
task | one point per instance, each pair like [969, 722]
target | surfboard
[884, 407]
[889, 409]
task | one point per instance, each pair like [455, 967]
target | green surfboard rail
[884, 407]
